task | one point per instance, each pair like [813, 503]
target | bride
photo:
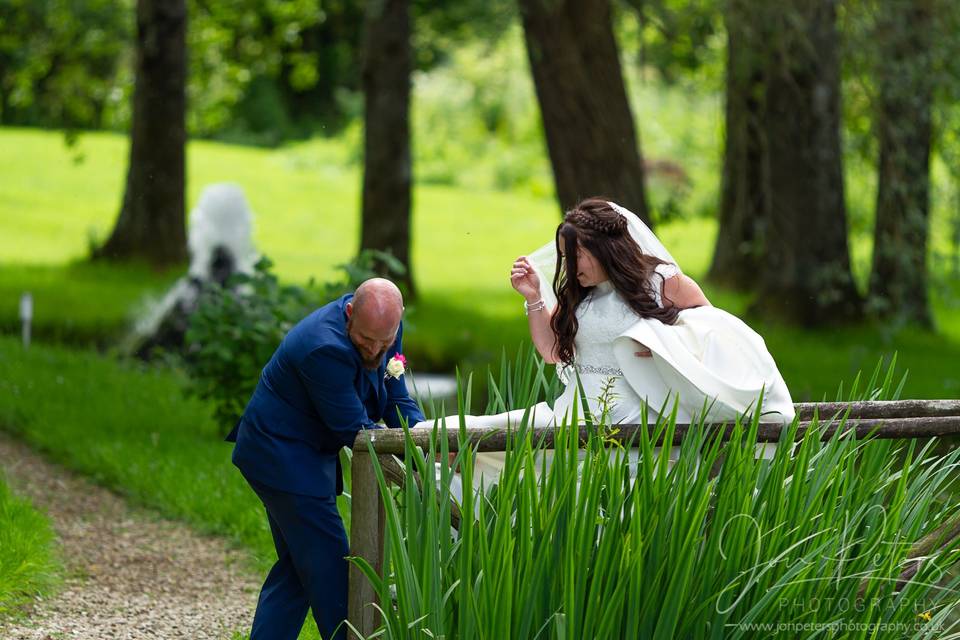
[635, 331]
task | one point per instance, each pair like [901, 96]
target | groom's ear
[349, 309]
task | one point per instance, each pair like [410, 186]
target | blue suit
[313, 398]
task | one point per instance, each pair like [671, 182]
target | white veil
[717, 359]
[544, 259]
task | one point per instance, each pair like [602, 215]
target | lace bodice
[601, 318]
[604, 315]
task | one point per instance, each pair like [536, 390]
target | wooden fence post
[366, 541]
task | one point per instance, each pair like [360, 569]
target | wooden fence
[884, 419]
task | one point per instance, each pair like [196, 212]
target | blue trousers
[310, 571]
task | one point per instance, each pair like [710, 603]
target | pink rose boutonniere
[396, 367]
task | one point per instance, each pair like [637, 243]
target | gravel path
[130, 574]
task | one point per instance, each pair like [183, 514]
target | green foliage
[480, 121]
[70, 65]
[237, 327]
[29, 564]
[602, 545]
[882, 40]
[59, 60]
[233, 333]
[238, 50]
[680, 40]
[481, 129]
[441, 27]
[260, 117]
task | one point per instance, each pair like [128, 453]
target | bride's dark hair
[598, 228]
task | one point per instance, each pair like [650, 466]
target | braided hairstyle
[598, 228]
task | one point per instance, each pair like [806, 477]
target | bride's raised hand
[525, 280]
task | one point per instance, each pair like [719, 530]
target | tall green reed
[600, 544]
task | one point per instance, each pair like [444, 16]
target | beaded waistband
[606, 371]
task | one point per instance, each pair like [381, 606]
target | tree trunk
[589, 129]
[898, 279]
[385, 221]
[740, 248]
[152, 224]
[807, 278]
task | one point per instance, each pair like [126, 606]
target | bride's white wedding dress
[707, 358]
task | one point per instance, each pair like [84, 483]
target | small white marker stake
[26, 315]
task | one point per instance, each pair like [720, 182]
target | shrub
[237, 327]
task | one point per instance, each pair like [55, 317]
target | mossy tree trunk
[591, 138]
[387, 61]
[744, 215]
[898, 278]
[806, 277]
[152, 224]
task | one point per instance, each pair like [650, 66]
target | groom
[324, 383]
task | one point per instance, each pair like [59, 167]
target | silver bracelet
[539, 305]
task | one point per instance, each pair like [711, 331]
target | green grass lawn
[130, 428]
[306, 200]
[78, 303]
[29, 560]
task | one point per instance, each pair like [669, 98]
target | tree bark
[152, 222]
[589, 128]
[898, 279]
[745, 197]
[385, 219]
[808, 277]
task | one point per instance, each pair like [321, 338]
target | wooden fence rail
[899, 419]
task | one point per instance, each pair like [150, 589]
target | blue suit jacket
[312, 398]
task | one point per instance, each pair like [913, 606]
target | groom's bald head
[378, 301]
[374, 318]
